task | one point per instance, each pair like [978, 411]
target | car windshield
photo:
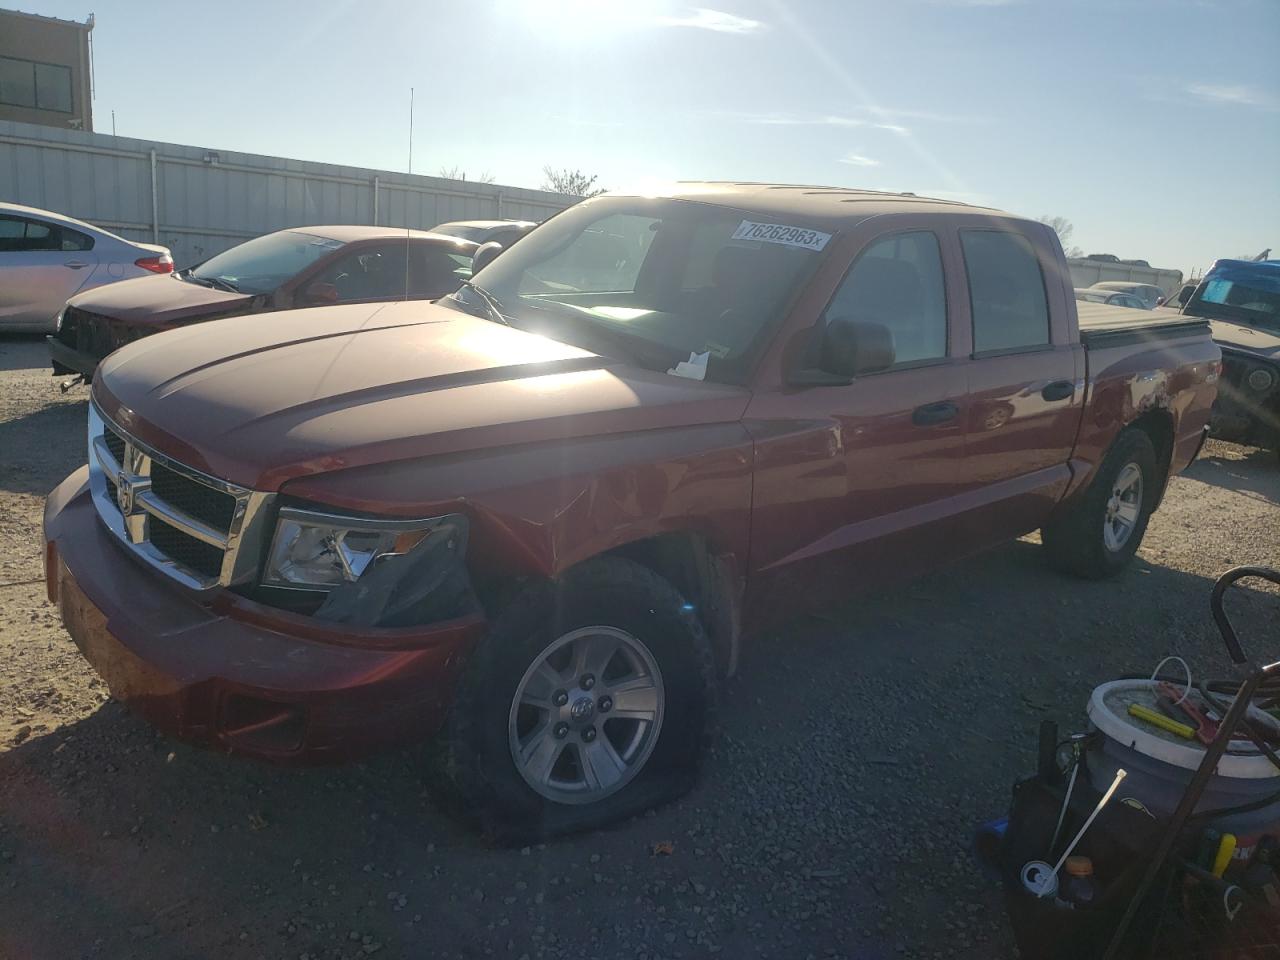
[262, 264]
[656, 282]
[1239, 302]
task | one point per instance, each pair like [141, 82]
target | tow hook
[75, 381]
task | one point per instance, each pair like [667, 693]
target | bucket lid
[1108, 711]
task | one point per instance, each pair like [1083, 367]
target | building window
[42, 86]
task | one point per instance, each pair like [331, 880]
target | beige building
[46, 70]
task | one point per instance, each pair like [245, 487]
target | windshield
[654, 282]
[1237, 301]
[262, 264]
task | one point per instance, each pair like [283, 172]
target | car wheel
[1099, 532]
[589, 700]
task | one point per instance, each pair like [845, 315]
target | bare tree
[457, 173]
[574, 183]
[1063, 228]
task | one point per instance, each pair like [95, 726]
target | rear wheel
[1099, 532]
[588, 701]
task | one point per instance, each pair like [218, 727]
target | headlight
[320, 551]
[1261, 380]
[57, 321]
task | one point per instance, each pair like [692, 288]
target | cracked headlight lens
[318, 551]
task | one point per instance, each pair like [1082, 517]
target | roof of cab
[487, 224]
[1123, 285]
[840, 206]
[350, 232]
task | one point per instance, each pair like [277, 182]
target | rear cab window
[1006, 292]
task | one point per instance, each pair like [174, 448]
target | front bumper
[233, 674]
[71, 358]
[1243, 415]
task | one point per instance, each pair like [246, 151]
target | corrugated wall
[206, 200]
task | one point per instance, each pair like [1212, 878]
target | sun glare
[575, 20]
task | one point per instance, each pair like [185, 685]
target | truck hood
[318, 390]
[1245, 339]
[160, 301]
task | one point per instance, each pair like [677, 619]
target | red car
[540, 516]
[303, 267]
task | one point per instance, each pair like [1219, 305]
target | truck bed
[1102, 324]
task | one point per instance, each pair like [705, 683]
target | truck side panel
[1170, 383]
[539, 509]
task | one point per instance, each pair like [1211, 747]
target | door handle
[932, 414]
[1058, 390]
[75, 264]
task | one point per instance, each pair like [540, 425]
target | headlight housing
[312, 550]
[1261, 379]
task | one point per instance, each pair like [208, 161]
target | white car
[46, 258]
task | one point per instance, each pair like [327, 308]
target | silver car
[1150, 295]
[46, 258]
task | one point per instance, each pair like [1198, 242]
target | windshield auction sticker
[781, 233]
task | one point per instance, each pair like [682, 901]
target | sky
[1152, 125]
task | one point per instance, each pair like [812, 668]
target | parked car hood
[315, 390]
[160, 301]
[1246, 339]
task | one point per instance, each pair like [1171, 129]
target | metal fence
[199, 201]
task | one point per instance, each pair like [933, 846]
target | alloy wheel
[586, 715]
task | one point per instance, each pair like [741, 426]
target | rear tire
[522, 693]
[1097, 534]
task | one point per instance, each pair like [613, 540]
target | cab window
[1006, 291]
[369, 273]
[897, 282]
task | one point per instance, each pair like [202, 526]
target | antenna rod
[406, 205]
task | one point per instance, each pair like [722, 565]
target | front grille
[115, 443]
[91, 333]
[211, 507]
[1234, 392]
[187, 550]
[190, 526]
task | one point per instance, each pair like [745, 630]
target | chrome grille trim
[126, 504]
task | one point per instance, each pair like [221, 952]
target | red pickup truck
[537, 517]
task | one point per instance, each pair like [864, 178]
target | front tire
[1098, 534]
[589, 700]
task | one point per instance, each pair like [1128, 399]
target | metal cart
[1154, 900]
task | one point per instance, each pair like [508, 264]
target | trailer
[1086, 271]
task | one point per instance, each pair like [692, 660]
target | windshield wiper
[217, 283]
[491, 304]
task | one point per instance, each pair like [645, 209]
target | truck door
[1024, 382]
[868, 470]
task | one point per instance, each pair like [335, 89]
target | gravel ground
[862, 742]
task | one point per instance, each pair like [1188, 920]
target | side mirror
[320, 294]
[487, 253]
[854, 347]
